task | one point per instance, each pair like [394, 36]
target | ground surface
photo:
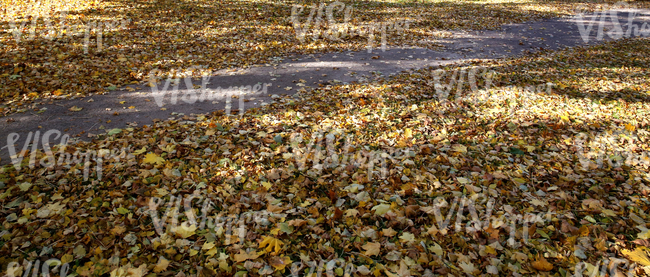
[547, 153]
[136, 105]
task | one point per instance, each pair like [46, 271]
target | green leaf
[25, 186]
[543, 234]
[114, 131]
[284, 227]
[122, 210]
[516, 151]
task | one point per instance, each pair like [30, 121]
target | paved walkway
[104, 112]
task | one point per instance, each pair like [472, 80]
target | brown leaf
[542, 265]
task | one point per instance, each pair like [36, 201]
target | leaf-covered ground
[49, 59]
[576, 157]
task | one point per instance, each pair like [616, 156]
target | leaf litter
[577, 157]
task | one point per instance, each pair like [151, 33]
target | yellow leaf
[161, 265]
[381, 209]
[212, 252]
[630, 127]
[271, 244]
[645, 233]
[639, 255]
[372, 248]
[185, 230]
[138, 152]
[168, 148]
[208, 246]
[66, 258]
[153, 158]
[75, 109]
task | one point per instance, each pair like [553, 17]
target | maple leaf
[407, 237]
[152, 158]
[468, 267]
[372, 248]
[271, 244]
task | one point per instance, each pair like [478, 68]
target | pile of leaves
[365, 174]
[50, 49]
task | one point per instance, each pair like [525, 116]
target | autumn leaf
[638, 255]
[407, 237]
[381, 209]
[468, 267]
[271, 244]
[279, 263]
[152, 158]
[161, 265]
[372, 248]
[542, 265]
[185, 230]
[243, 255]
[118, 229]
